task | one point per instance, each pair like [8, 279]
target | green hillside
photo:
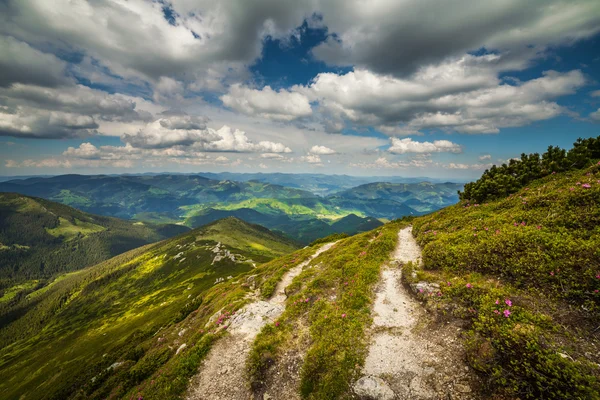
[40, 238]
[107, 328]
[524, 271]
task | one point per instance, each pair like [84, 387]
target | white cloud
[595, 93]
[399, 37]
[267, 103]
[595, 115]
[311, 159]
[321, 150]
[463, 95]
[272, 156]
[384, 163]
[407, 145]
[468, 166]
[485, 157]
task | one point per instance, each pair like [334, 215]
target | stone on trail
[373, 388]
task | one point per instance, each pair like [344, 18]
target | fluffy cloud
[21, 63]
[184, 131]
[485, 157]
[321, 150]
[407, 145]
[595, 115]
[62, 112]
[399, 37]
[463, 95]
[267, 103]
[395, 37]
[311, 159]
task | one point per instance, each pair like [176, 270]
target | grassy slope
[331, 304]
[90, 319]
[539, 249]
[41, 238]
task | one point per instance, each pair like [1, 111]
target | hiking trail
[222, 374]
[407, 359]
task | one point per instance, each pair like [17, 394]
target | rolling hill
[41, 238]
[112, 315]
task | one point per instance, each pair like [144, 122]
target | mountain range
[194, 200]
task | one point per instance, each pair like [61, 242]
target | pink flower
[508, 302]
[343, 315]
[506, 313]
[553, 172]
[571, 189]
[497, 301]
[496, 312]
[598, 276]
[515, 224]
[551, 273]
[276, 323]
[420, 290]
[474, 234]
[586, 185]
[469, 286]
[578, 183]
[539, 227]
[449, 283]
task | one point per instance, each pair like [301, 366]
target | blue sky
[293, 86]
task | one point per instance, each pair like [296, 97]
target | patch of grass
[72, 229]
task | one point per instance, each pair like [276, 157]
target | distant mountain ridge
[195, 199]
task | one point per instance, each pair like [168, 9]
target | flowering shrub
[511, 280]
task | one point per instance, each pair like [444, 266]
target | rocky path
[408, 359]
[222, 374]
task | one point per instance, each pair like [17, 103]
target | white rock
[183, 346]
[373, 388]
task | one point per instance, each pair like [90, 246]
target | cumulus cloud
[175, 131]
[62, 112]
[321, 150]
[463, 95]
[398, 38]
[311, 159]
[21, 63]
[485, 157]
[279, 105]
[595, 115]
[407, 145]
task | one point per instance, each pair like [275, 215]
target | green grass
[83, 322]
[538, 248]
[11, 292]
[332, 301]
[70, 230]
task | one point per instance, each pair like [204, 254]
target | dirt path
[408, 359]
[222, 374]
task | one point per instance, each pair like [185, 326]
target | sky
[371, 88]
